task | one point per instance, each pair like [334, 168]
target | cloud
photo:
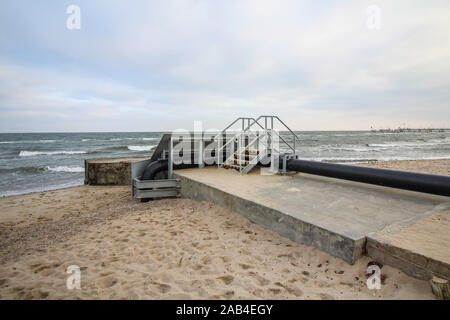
[160, 65]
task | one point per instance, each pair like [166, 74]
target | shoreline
[45, 190]
[418, 165]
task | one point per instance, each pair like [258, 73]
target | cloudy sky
[160, 65]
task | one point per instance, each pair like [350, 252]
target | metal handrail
[250, 125]
[236, 135]
[279, 136]
[239, 151]
[228, 142]
[282, 122]
[292, 132]
[231, 124]
[257, 158]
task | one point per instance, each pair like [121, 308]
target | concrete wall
[108, 171]
[410, 262]
[337, 245]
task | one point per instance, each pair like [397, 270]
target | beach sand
[172, 249]
[440, 166]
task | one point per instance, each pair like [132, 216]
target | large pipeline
[427, 183]
[159, 169]
[155, 170]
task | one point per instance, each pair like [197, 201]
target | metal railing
[276, 118]
[241, 148]
[250, 123]
[246, 124]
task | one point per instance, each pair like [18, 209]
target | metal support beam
[201, 148]
[170, 164]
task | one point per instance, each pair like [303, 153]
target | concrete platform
[333, 215]
[420, 248]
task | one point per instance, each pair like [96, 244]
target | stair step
[244, 156]
[233, 166]
[236, 161]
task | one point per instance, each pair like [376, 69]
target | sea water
[44, 161]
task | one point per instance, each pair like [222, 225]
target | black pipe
[154, 168]
[159, 169]
[427, 183]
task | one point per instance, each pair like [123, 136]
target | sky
[160, 65]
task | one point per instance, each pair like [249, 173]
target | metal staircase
[247, 155]
[256, 143]
[243, 144]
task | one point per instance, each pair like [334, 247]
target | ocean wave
[351, 134]
[373, 149]
[377, 159]
[120, 139]
[140, 148]
[36, 169]
[348, 148]
[408, 144]
[443, 140]
[117, 139]
[101, 140]
[65, 169]
[46, 141]
[114, 148]
[357, 149]
[150, 139]
[40, 169]
[27, 141]
[39, 153]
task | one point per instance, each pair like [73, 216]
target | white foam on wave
[103, 140]
[40, 153]
[347, 148]
[408, 144]
[140, 148]
[65, 169]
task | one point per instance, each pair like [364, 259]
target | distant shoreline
[38, 162]
[430, 166]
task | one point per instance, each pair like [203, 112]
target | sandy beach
[440, 166]
[172, 249]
